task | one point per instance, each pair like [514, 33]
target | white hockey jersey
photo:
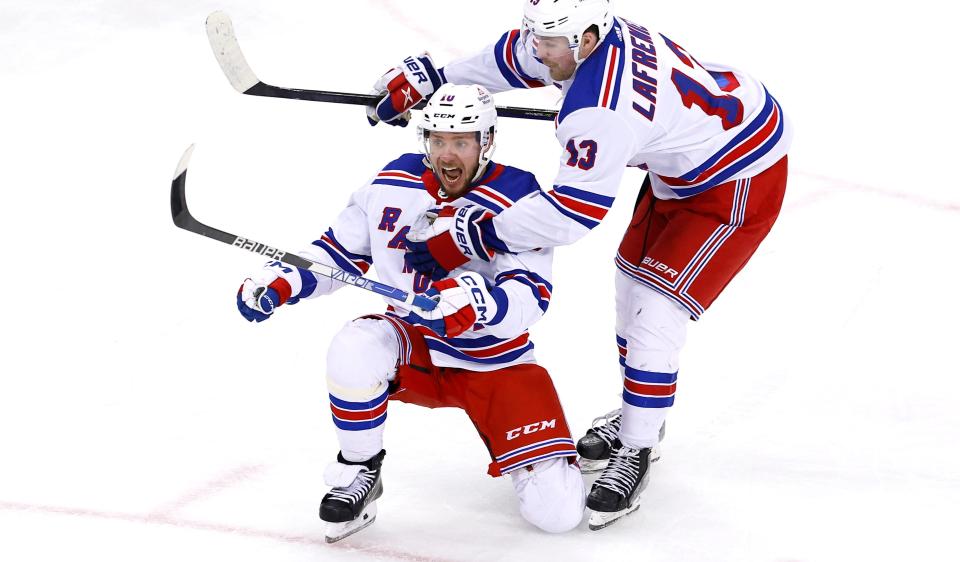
[371, 231]
[638, 100]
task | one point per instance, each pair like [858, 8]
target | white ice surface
[142, 419]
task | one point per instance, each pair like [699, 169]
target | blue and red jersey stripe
[582, 206]
[354, 263]
[751, 144]
[505, 54]
[541, 288]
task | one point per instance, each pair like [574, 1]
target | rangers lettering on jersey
[389, 218]
[369, 231]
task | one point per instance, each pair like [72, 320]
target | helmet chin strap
[576, 54]
[480, 170]
[485, 153]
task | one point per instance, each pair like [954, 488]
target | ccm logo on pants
[531, 428]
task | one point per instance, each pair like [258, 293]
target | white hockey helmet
[567, 18]
[461, 109]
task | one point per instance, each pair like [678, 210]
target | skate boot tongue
[341, 475]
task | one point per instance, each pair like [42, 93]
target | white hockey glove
[445, 239]
[463, 302]
[402, 88]
[261, 293]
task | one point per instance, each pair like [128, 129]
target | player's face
[455, 159]
[556, 54]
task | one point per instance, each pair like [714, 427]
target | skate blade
[339, 531]
[591, 466]
[600, 519]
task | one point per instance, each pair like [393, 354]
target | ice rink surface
[142, 419]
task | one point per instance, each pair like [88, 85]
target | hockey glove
[402, 88]
[444, 239]
[261, 294]
[463, 303]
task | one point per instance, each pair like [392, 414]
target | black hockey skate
[353, 507]
[615, 494]
[601, 441]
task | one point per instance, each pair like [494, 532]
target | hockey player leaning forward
[473, 352]
[714, 143]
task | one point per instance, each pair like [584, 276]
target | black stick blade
[178, 195]
[181, 213]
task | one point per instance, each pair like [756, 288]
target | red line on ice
[216, 527]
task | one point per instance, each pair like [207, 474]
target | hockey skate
[616, 493]
[601, 440]
[351, 505]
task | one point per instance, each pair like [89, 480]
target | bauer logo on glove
[402, 88]
[452, 238]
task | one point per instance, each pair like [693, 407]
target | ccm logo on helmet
[531, 428]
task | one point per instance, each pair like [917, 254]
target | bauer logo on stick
[258, 248]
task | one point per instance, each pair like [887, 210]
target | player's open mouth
[451, 174]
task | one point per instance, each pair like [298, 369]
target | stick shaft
[183, 219]
[226, 49]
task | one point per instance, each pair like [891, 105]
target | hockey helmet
[568, 19]
[461, 109]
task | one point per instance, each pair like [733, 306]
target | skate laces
[360, 486]
[607, 431]
[622, 472]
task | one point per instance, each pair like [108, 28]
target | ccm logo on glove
[476, 293]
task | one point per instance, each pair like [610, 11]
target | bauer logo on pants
[660, 266]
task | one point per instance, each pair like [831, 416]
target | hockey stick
[183, 219]
[227, 50]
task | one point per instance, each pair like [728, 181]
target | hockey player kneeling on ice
[471, 352]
